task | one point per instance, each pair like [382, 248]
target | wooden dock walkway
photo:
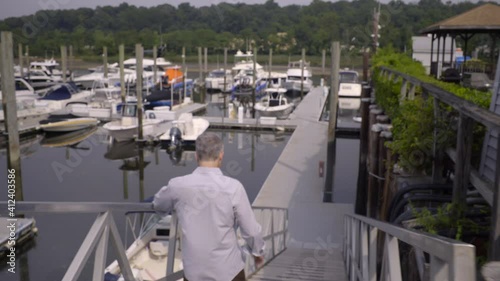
[296, 183]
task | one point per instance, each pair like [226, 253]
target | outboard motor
[175, 137]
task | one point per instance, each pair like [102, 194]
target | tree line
[285, 29]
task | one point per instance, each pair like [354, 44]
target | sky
[10, 8]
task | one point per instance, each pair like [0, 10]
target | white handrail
[449, 259]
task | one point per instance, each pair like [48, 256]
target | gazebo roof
[482, 19]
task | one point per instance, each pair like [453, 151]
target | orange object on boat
[172, 75]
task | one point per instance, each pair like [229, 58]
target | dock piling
[20, 54]
[139, 53]
[270, 66]
[155, 65]
[254, 80]
[10, 113]
[206, 59]
[302, 73]
[71, 58]
[105, 61]
[64, 58]
[332, 124]
[323, 62]
[360, 206]
[121, 51]
[183, 96]
[225, 80]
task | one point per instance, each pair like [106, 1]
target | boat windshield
[216, 74]
[295, 78]
[348, 77]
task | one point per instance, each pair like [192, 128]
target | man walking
[210, 206]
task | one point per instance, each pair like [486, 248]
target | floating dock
[297, 182]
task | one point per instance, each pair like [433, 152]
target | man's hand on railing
[259, 261]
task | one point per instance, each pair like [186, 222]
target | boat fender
[151, 115]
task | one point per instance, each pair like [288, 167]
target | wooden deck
[304, 264]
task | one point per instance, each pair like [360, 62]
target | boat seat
[158, 248]
[274, 103]
[187, 121]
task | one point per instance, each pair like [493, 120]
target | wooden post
[225, 80]
[105, 61]
[387, 192]
[28, 61]
[373, 192]
[206, 59]
[437, 153]
[10, 114]
[494, 250]
[302, 73]
[20, 54]
[462, 163]
[323, 62]
[139, 53]
[64, 58]
[332, 124]
[365, 65]
[254, 80]
[270, 67]
[200, 61]
[183, 75]
[155, 64]
[361, 199]
[121, 51]
[71, 58]
[382, 159]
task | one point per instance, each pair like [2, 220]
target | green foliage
[413, 120]
[448, 220]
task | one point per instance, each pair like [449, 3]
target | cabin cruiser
[275, 104]
[127, 128]
[219, 80]
[104, 103]
[298, 81]
[39, 79]
[87, 81]
[349, 90]
[61, 95]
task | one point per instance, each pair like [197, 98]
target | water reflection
[71, 139]
[87, 167]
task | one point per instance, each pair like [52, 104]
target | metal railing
[449, 259]
[274, 222]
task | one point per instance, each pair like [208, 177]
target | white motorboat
[219, 81]
[298, 81]
[24, 230]
[59, 96]
[275, 104]
[87, 81]
[67, 125]
[184, 131]
[39, 79]
[127, 128]
[24, 91]
[67, 139]
[104, 103]
[275, 79]
[349, 90]
[148, 254]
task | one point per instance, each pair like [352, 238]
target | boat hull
[69, 125]
[280, 112]
[151, 128]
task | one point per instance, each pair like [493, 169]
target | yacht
[275, 104]
[219, 80]
[60, 96]
[295, 82]
[87, 81]
[349, 90]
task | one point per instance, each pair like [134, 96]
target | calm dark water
[94, 170]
